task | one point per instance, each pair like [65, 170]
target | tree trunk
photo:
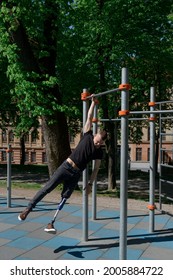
[109, 126]
[22, 149]
[56, 141]
[111, 142]
[112, 163]
[54, 127]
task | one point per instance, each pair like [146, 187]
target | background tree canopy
[50, 50]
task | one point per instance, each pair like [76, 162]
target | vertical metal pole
[152, 161]
[85, 179]
[124, 168]
[9, 176]
[161, 158]
[94, 187]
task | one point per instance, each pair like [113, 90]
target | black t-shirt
[85, 151]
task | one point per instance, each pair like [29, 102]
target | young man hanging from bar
[69, 172]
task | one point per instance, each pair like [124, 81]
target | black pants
[65, 174]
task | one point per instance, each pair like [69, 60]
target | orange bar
[152, 119]
[123, 113]
[151, 207]
[125, 86]
[84, 95]
[95, 120]
[152, 103]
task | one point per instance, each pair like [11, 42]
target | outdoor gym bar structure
[124, 118]
[152, 120]
[124, 166]
[85, 96]
[9, 159]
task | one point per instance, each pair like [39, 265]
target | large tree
[30, 31]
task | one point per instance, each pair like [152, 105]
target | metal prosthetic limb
[50, 227]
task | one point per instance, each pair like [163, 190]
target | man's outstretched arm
[88, 124]
[93, 175]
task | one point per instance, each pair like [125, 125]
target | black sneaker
[24, 214]
[50, 228]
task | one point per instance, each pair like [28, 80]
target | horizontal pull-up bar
[167, 118]
[118, 119]
[86, 95]
[164, 102]
[103, 93]
[150, 112]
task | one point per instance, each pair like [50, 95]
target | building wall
[141, 152]
[35, 152]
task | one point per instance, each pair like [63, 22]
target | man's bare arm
[93, 176]
[88, 124]
[95, 170]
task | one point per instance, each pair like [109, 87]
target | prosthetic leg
[50, 227]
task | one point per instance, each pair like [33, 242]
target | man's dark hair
[103, 135]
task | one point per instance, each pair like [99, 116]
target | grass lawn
[23, 185]
[30, 177]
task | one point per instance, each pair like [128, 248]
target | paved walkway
[28, 241]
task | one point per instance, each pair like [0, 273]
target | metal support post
[161, 158]
[94, 187]
[152, 162]
[9, 151]
[124, 167]
[85, 178]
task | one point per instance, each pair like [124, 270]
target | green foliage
[70, 45]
